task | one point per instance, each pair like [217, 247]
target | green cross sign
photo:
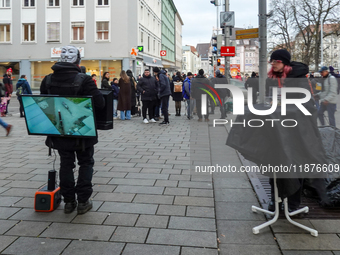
[140, 48]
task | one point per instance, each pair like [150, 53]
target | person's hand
[143, 91]
[325, 102]
[316, 97]
[10, 95]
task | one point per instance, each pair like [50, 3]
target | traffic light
[214, 44]
[215, 2]
[218, 62]
[211, 61]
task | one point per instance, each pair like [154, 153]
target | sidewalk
[146, 200]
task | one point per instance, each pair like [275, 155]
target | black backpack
[77, 83]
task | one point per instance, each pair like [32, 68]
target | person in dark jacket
[105, 81]
[7, 80]
[64, 72]
[253, 82]
[164, 94]
[124, 96]
[147, 86]
[223, 93]
[26, 90]
[177, 96]
[158, 102]
[115, 93]
[133, 91]
[200, 82]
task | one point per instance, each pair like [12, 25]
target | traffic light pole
[227, 43]
[263, 48]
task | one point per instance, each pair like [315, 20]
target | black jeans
[293, 200]
[148, 105]
[21, 107]
[165, 102]
[199, 109]
[83, 189]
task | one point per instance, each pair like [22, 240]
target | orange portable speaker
[48, 198]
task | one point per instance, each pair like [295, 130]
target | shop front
[150, 63]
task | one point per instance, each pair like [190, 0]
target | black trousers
[83, 188]
[148, 106]
[293, 200]
[199, 109]
[21, 107]
[165, 103]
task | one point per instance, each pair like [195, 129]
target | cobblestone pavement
[146, 199]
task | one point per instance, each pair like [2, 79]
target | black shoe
[156, 119]
[271, 206]
[164, 123]
[70, 207]
[84, 207]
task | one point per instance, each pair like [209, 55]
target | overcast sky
[199, 17]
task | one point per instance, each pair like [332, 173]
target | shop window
[29, 3]
[5, 3]
[103, 31]
[103, 2]
[53, 3]
[29, 32]
[78, 31]
[5, 33]
[78, 2]
[53, 32]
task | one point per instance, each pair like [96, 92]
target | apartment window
[29, 32]
[5, 3]
[78, 2]
[335, 63]
[5, 32]
[238, 61]
[335, 46]
[246, 54]
[29, 3]
[141, 12]
[249, 61]
[53, 3]
[103, 31]
[78, 31]
[53, 32]
[335, 55]
[103, 2]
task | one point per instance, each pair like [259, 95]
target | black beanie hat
[282, 55]
[201, 71]
[156, 69]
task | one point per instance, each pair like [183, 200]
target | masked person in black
[199, 82]
[61, 82]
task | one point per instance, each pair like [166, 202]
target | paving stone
[16, 170]
[28, 228]
[150, 171]
[197, 185]
[100, 180]
[5, 225]
[324, 242]
[20, 177]
[202, 212]
[201, 193]
[230, 183]
[2, 189]
[154, 199]
[191, 223]
[237, 211]
[25, 184]
[37, 246]
[132, 182]
[326, 226]
[177, 177]
[235, 195]
[121, 219]
[114, 197]
[182, 237]
[198, 251]
[104, 188]
[176, 191]
[79, 231]
[147, 249]
[90, 247]
[310, 253]
[5, 241]
[283, 226]
[178, 210]
[55, 216]
[152, 221]
[91, 218]
[8, 201]
[245, 249]
[6, 212]
[195, 201]
[128, 208]
[147, 176]
[240, 232]
[166, 183]
[130, 235]
[109, 174]
[140, 189]
[17, 192]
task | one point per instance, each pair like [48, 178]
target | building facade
[179, 24]
[168, 35]
[191, 60]
[107, 32]
[204, 51]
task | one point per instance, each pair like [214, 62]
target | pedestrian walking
[164, 94]
[124, 96]
[64, 73]
[22, 88]
[7, 80]
[147, 86]
[115, 93]
[186, 94]
[105, 81]
[199, 82]
[94, 78]
[223, 93]
[176, 87]
[6, 126]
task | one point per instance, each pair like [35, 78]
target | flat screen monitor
[66, 116]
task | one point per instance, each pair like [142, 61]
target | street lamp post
[263, 48]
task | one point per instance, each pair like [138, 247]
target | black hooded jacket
[149, 85]
[66, 73]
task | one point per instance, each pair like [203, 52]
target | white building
[179, 23]
[191, 60]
